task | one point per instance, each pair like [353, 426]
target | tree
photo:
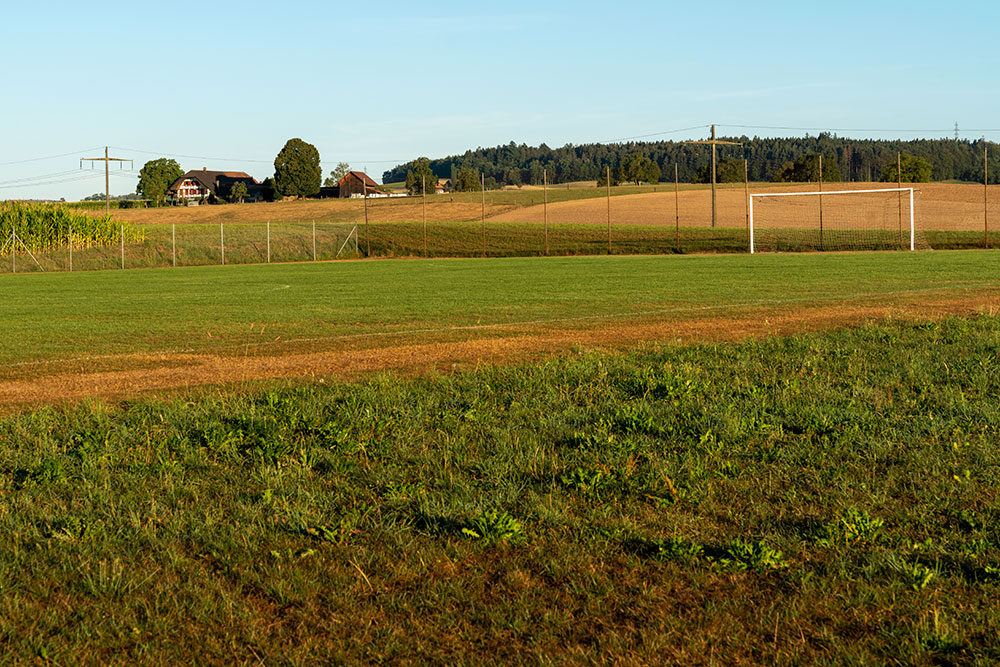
[238, 192]
[513, 177]
[805, 169]
[637, 168]
[420, 177]
[602, 179]
[913, 170]
[296, 169]
[155, 177]
[338, 173]
[467, 180]
[727, 170]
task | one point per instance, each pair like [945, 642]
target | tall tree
[336, 174]
[155, 177]
[637, 168]
[296, 169]
[467, 180]
[420, 177]
[913, 170]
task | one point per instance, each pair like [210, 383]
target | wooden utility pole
[713, 142]
[545, 207]
[608, 174]
[677, 211]
[107, 175]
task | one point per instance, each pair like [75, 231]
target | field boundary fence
[666, 219]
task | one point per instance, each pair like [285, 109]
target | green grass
[821, 499]
[67, 315]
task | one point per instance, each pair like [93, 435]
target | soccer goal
[877, 219]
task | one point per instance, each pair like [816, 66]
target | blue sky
[377, 84]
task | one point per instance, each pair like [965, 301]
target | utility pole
[713, 142]
[107, 175]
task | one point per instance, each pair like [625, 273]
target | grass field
[178, 325]
[819, 499]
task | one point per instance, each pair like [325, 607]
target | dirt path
[158, 373]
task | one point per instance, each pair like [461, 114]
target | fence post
[821, 204]
[986, 196]
[423, 193]
[368, 239]
[123, 245]
[746, 184]
[545, 206]
[222, 241]
[483, 185]
[314, 240]
[71, 248]
[609, 208]
[677, 211]
[268, 241]
[173, 245]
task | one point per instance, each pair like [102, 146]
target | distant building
[197, 185]
[356, 184]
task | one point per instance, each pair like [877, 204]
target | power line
[47, 157]
[57, 174]
[53, 182]
[656, 134]
[849, 129]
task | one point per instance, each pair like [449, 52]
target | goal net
[880, 219]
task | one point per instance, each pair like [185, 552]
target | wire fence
[657, 220]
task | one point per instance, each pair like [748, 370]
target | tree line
[769, 159]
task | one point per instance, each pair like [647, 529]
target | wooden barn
[356, 183]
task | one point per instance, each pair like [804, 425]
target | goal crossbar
[821, 193]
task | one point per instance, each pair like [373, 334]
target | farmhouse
[198, 185]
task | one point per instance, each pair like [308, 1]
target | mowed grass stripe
[54, 316]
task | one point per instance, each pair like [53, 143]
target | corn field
[47, 227]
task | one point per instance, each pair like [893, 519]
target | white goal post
[762, 195]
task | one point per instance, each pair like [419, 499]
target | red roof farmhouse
[198, 185]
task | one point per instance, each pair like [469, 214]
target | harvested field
[939, 206]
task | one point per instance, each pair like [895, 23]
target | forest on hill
[857, 159]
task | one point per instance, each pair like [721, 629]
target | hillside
[858, 159]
